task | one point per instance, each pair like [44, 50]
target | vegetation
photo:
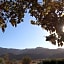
[49, 15]
[53, 61]
[26, 60]
[1, 61]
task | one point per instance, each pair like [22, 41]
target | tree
[6, 59]
[26, 60]
[49, 15]
[1, 61]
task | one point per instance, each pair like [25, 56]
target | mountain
[34, 53]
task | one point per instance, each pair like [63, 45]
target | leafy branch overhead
[49, 15]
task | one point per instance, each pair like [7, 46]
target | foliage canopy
[49, 15]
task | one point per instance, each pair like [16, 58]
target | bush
[26, 60]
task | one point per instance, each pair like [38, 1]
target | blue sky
[24, 36]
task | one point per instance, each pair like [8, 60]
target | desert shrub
[1, 60]
[26, 60]
[60, 61]
[53, 62]
[46, 62]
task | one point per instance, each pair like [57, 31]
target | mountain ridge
[34, 53]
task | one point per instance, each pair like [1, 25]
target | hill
[34, 53]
